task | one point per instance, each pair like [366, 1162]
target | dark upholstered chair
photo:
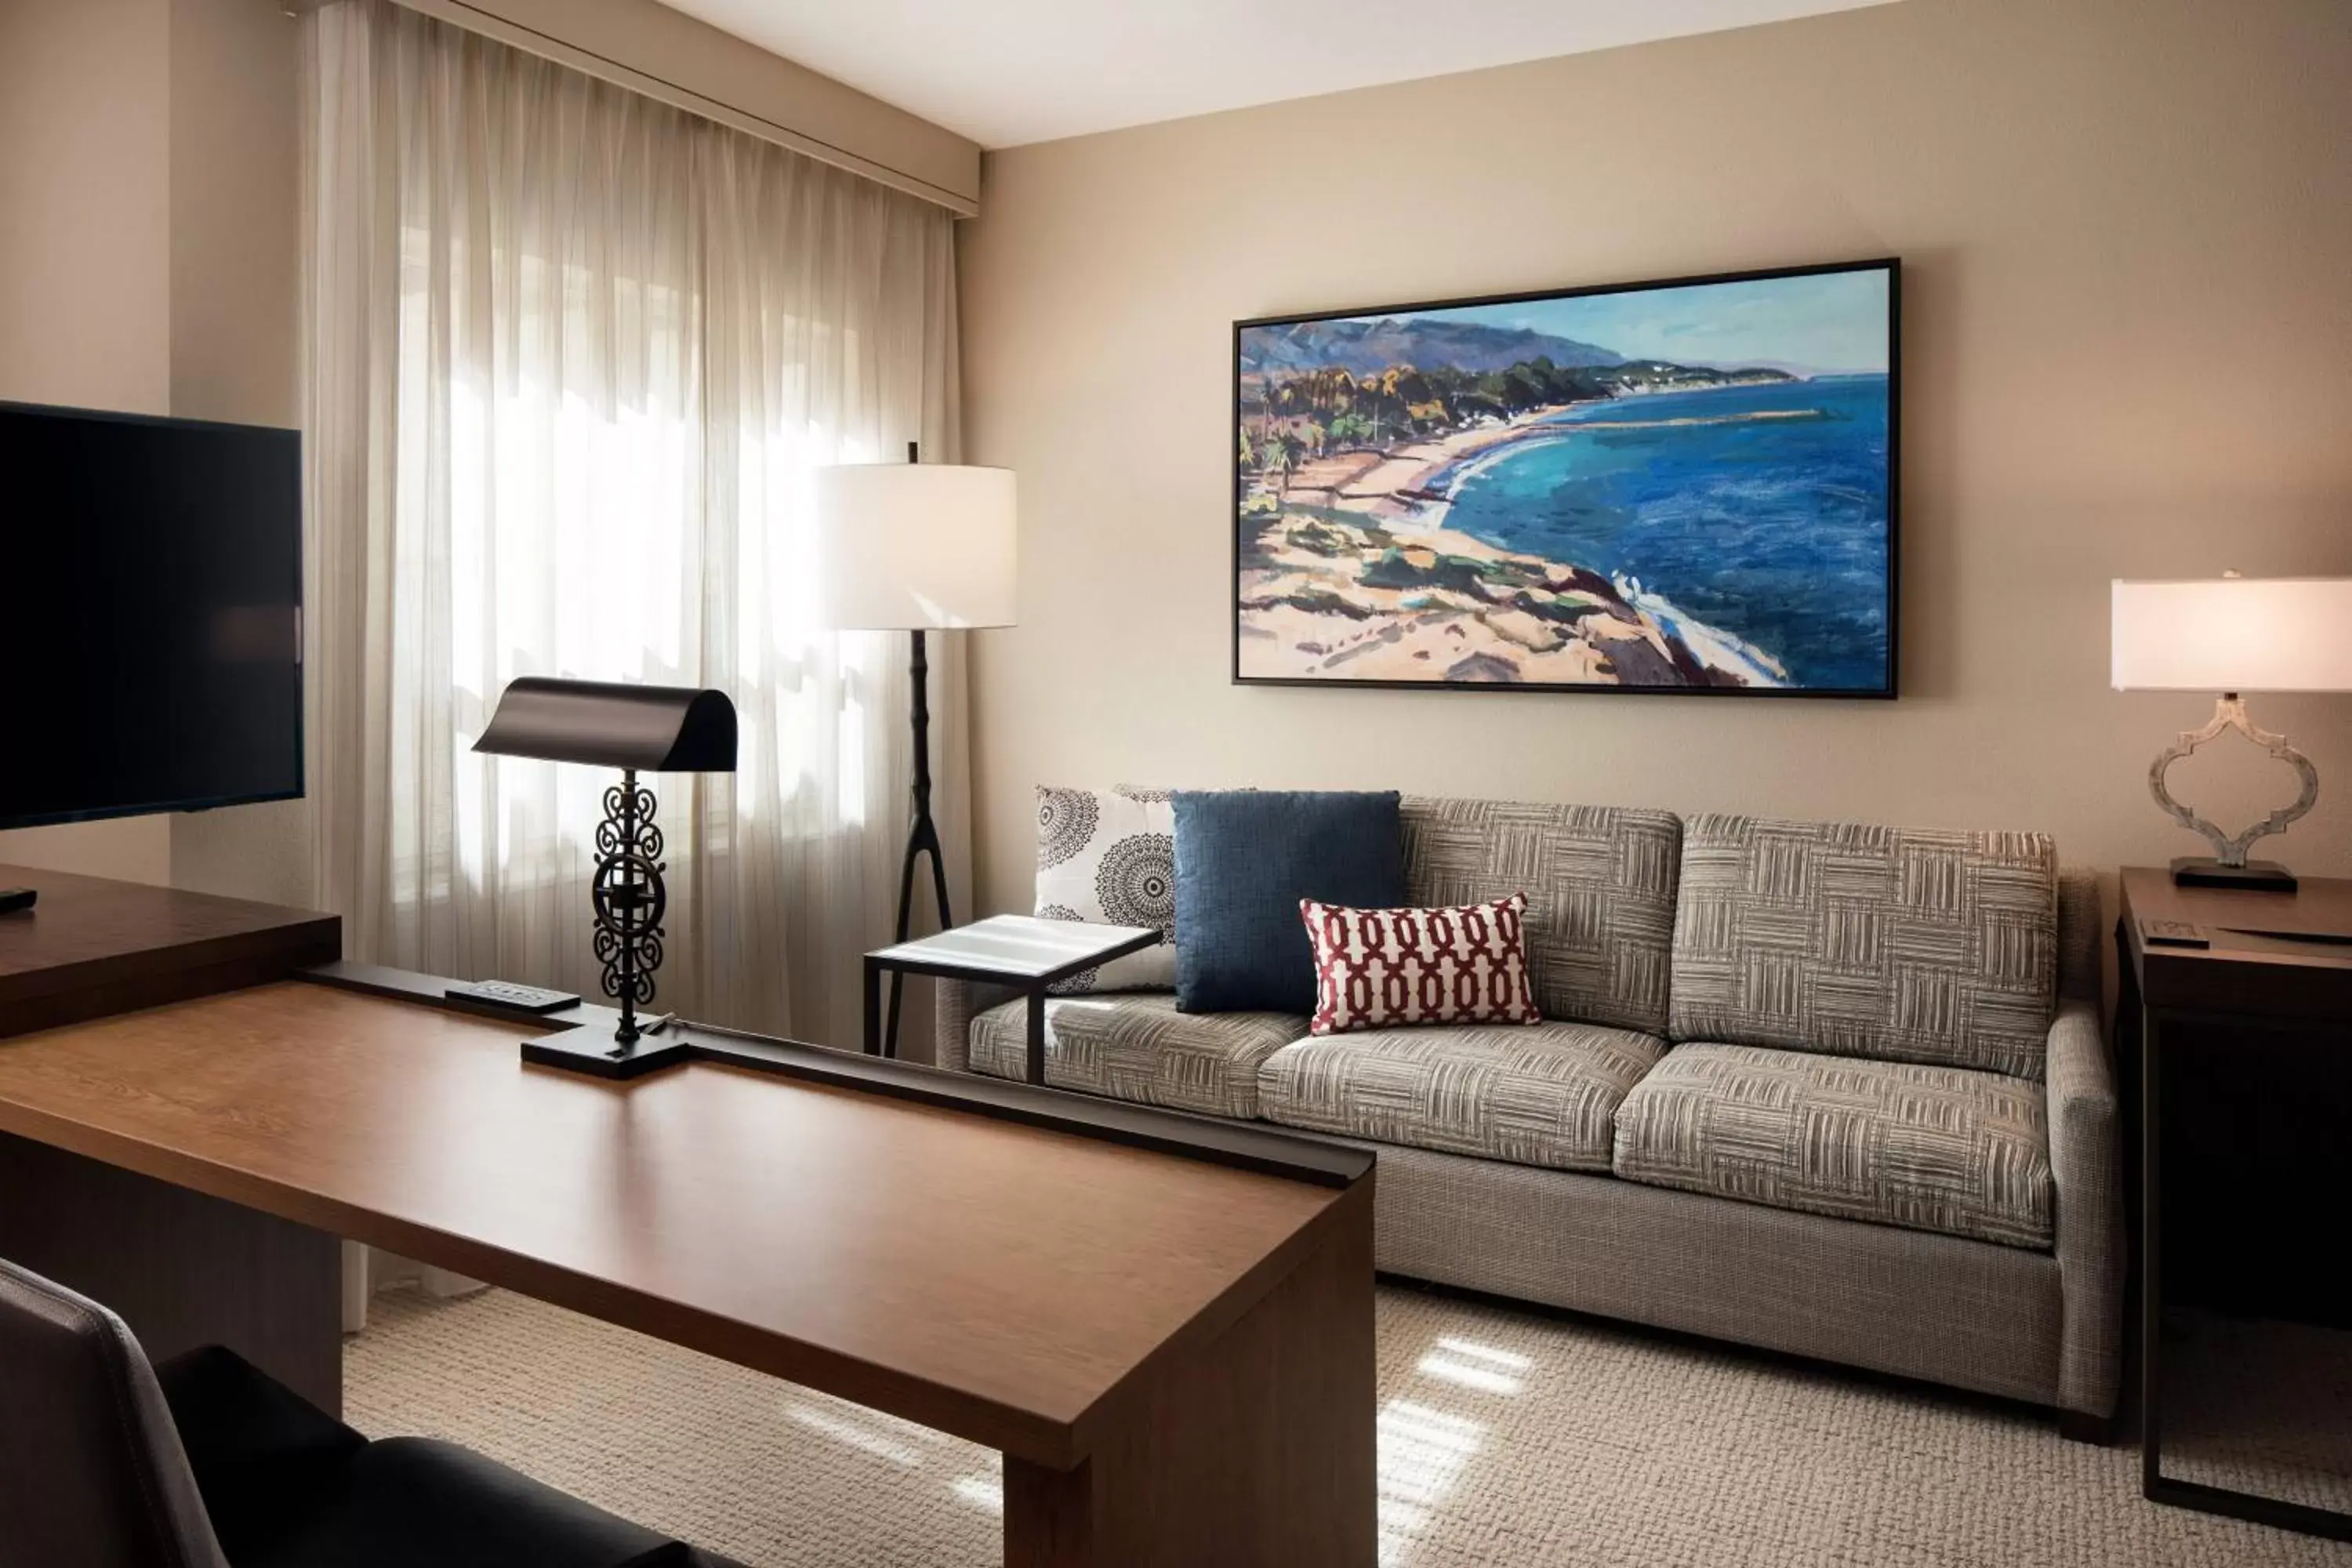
[206, 1462]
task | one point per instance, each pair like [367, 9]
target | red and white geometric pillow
[1376, 969]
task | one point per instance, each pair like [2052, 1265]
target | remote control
[17, 900]
[522, 998]
[2173, 933]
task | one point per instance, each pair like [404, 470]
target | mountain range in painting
[1369, 346]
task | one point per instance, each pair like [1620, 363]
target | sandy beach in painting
[1376, 588]
[1415, 482]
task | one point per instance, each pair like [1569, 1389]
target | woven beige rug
[1505, 1438]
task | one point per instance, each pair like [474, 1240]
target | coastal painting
[1683, 486]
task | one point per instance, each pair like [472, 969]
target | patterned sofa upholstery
[1536, 1094]
[1941, 1149]
[1137, 1047]
[1833, 1089]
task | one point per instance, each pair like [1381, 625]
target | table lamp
[910, 547]
[2229, 636]
[656, 728]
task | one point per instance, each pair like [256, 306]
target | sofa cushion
[1896, 943]
[1245, 858]
[1941, 1149]
[1378, 969]
[1108, 858]
[1599, 882]
[1139, 1047]
[1534, 1094]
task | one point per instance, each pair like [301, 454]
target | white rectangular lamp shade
[2233, 634]
[908, 546]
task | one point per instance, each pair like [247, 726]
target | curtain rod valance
[668, 56]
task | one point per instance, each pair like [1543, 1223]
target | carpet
[1506, 1438]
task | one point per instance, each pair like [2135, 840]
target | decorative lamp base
[2228, 866]
[598, 1054]
[2254, 876]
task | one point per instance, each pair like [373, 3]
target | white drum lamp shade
[2233, 634]
[914, 546]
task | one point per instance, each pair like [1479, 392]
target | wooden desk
[2258, 1023]
[1173, 1350]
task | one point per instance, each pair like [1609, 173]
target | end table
[2234, 975]
[1029, 954]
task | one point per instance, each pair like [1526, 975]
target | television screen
[151, 597]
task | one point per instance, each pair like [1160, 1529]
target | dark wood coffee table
[1030, 956]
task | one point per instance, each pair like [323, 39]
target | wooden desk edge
[1267, 1151]
[86, 989]
[1328, 1229]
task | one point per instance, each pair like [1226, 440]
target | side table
[2249, 974]
[1029, 954]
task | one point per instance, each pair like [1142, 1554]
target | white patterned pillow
[1108, 858]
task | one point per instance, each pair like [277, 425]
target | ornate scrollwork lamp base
[630, 899]
[2229, 867]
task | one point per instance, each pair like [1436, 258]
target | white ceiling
[1005, 72]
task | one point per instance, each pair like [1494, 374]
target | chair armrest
[958, 1002]
[2086, 1165]
[264, 1457]
[419, 1499]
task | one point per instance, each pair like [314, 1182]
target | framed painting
[1685, 486]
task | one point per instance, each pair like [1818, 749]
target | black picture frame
[1888, 690]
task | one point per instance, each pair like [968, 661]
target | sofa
[1833, 1089]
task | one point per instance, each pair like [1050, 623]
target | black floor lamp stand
[922, 834]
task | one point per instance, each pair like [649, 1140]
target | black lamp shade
[653, 729]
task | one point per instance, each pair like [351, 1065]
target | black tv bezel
[301, 665]
[1890, 691]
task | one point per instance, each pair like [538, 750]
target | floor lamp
[914, 547]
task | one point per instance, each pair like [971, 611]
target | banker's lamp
[912, 547]
[2229, 636]
[648, 728]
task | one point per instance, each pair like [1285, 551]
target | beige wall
[149, 263]
[85, 274]
[236, 275]
[2128, 228]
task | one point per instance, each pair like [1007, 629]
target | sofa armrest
[2086, 1164]
[958, 1002]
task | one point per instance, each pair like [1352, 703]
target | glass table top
[1021, 946]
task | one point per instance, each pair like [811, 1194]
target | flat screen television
[150, 615]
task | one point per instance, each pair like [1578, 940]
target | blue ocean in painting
[1760, 509]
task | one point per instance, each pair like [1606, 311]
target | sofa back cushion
[1245, 858]
[1902, 944]
[1599, 882]
[1108, 858]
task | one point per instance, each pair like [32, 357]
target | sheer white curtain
[570, 356]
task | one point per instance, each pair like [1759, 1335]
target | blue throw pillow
[1244, 859]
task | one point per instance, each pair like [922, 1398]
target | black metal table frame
[1033, 987]
[2155, 1484]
